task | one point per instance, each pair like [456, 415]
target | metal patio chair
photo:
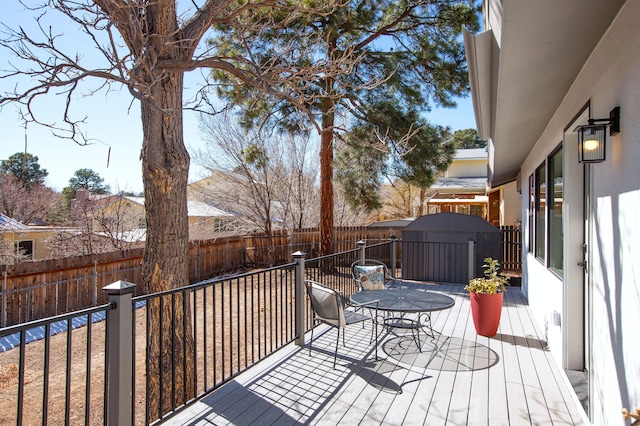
[328, 308]
[370, 274]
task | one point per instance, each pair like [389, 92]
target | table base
[415, 325]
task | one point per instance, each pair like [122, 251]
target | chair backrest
[326, 303]
[369, 274]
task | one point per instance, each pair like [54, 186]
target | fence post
[197, 262]
[472, 259]
[362, 255]
[392, 263]
[298, 257]
[119, 344]
[28, 307]
[94, 296]
[226, 255]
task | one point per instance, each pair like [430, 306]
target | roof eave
[520, 76]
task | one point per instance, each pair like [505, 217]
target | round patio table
[405, 301]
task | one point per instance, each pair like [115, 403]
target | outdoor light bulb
[591, 144]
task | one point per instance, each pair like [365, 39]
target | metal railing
[59, 379]
[157, 353]
[229, 324]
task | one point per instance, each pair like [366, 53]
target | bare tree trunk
[165, 163]
[326, 183]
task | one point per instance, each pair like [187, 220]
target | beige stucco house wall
[35, 238]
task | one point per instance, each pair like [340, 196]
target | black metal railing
[333, 270]
[156, 353]
[56, 371]
[235, 322]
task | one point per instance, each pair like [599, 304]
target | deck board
[508, 379]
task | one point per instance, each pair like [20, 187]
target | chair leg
[335, 354]
[375, 326]
[311, 341]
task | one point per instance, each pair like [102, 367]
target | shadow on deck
[457, 378]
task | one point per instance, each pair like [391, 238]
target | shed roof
[451, 222]
[392, 222]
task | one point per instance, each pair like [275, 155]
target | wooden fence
[35, 290]
[511, 248]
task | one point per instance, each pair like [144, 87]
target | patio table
[405, 301]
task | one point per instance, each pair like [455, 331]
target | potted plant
[486, 298]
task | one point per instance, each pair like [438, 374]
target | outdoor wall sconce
[592, 137]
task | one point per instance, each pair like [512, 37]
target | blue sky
[114, 123]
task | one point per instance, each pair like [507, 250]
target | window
[532, 209]
[555, 211]
[476, 211]
[545, 212]
[540, 211]
[25, 248]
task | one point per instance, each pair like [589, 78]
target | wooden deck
[459, 378]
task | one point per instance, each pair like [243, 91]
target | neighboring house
[463, 189]
[15, 239]
[219, 190]
[205, 221]
[123, 217]
[229, 191]
[26, 241]
[111, 213]
[539, 71]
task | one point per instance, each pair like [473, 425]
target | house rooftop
[8, 224]
[471, 154]
[461, 183]
[194, 208]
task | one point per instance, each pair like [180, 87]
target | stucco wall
[510, 210]
[467, 168]
[41, 248]
[610, 78]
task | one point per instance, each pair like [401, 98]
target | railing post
[298, 257]
[119, 344]
[472, 259]
[362, 255]
[392, 263]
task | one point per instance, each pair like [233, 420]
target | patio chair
[328, 308]
[370, 274]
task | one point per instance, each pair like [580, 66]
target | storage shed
[435, 247]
